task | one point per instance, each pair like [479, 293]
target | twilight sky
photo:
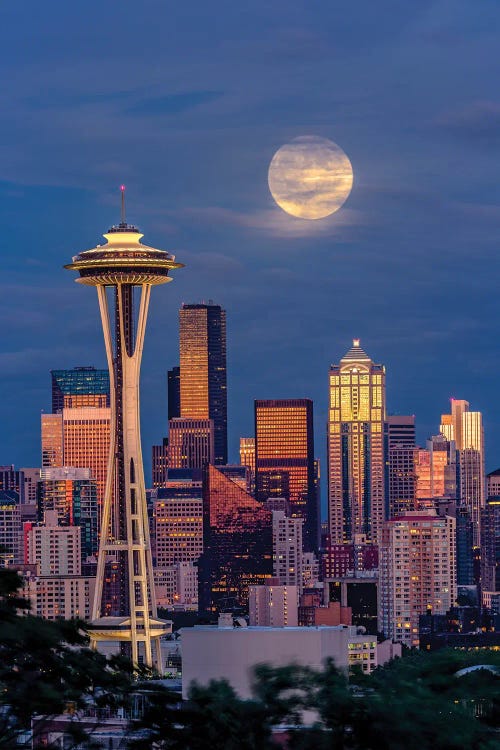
[186, 103]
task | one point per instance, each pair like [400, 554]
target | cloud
[172, 104]
[274, 221]
[478, 122]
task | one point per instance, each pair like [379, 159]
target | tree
[212, 717]
[46, 667]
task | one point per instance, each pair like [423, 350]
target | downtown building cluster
[411, 542]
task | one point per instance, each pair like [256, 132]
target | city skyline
[407, 265]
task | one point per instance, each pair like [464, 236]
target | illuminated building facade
[203, 387]
[417, 571]
[52, 440]
[436, 469]
[400, 451]
[247, 458]
[72, 494]
[237, 533]
[123, 272]
[190, 443]
[465, 427]
[79, 437]
[178, 513]
[81, 386]
[284, 460]
[356, 460]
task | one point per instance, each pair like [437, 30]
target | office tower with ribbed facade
[400, 451]
[203, 387]
[284, 460]
[355, 452]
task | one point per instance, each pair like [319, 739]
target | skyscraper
[81, 386]
[125, 267]
[203, 388]
[72, 494]
[416, 571]
[400, 464]
[284, 460]
[466, 429]
[190, 443]
[237, 538]
[174, 392]
[356, 461]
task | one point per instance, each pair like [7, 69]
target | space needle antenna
[122, 189]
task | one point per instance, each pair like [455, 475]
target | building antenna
[122, 188]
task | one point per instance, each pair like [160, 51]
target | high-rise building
[287, 550]
[126, 268]
[190, 443]
[12, 479]
[178, 514]
[203, 387]
[356, 460]
[79, 437]
[72, 494]
[284, 460]
[237, 538]
[490, 536]
[466, 429]
[56, 550]
[436, 469]
[52, 440]
[159, 463]
[81, 386]
[11, 547]
[174, 392]
[400, 451]
[417, 572]
[31, 477]
[247, 458]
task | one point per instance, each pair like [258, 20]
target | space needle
[123, 272]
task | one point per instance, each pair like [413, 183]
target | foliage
[46, 667]
[212, 717]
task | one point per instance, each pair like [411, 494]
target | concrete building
[273, 605]
[417, 571]
[287, 550]
[231, 653]
[176, 586]
[59, 597]
[55, 549]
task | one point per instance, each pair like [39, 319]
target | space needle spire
[120, 270]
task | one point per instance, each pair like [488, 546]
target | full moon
[310, 177]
